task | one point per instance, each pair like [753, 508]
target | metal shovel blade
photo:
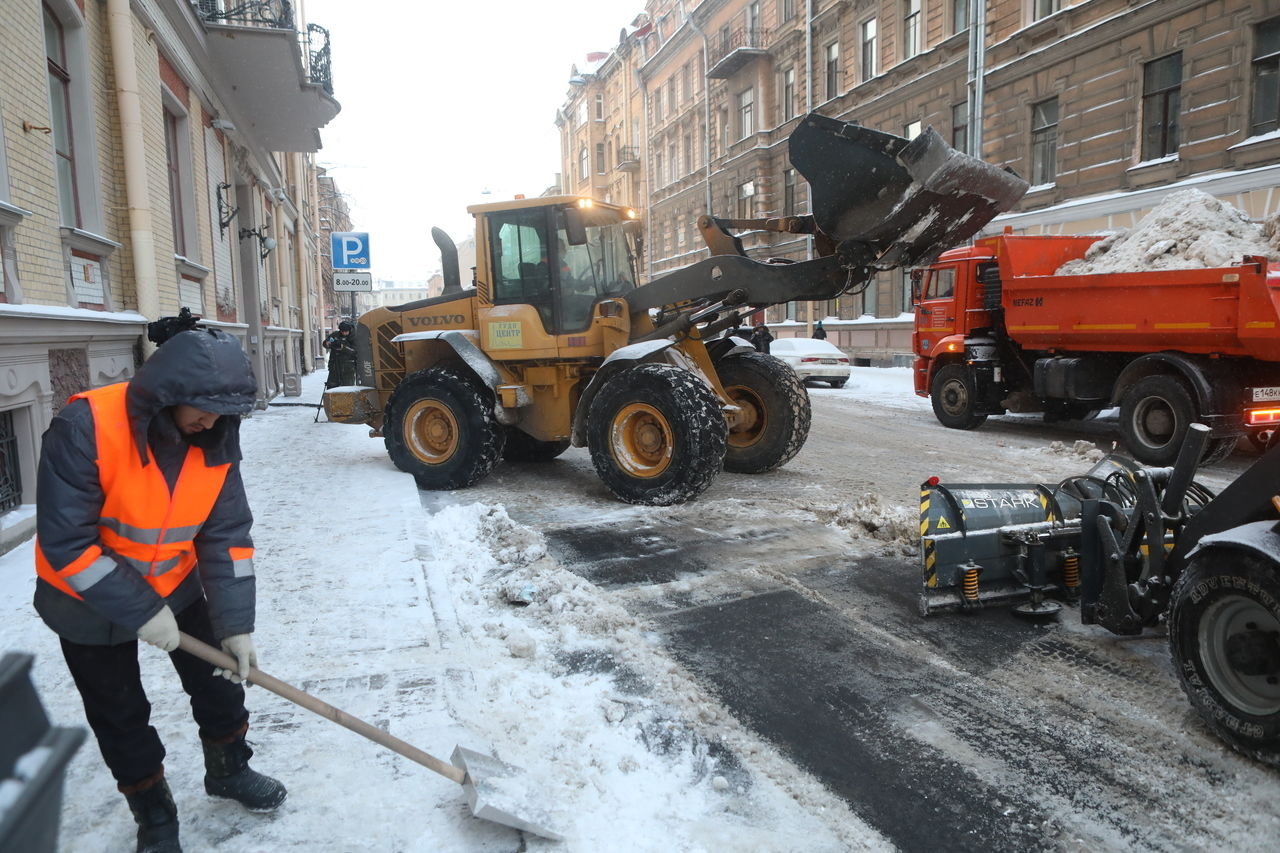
[495, 791]
[493, 788]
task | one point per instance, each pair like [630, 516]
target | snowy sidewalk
[446, 628]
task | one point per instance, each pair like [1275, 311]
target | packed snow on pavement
[449, 628]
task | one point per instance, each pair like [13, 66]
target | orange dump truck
[998, 330]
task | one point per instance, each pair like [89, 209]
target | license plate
[1266, 395]
[833, 361]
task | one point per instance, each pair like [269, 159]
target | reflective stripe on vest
[142, 522]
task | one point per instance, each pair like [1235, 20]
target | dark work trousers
[120, 714]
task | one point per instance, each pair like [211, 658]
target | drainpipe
[977, 74]
[137, 194]
[808, 108]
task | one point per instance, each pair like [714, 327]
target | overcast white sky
[443, 101]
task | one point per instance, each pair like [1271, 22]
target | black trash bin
[33, 762]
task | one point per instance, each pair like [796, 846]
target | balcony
[736, 50]
[281, 78]
[629, 159]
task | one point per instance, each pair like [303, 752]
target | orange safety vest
[142, 522]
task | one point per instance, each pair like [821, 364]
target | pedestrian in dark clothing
[342, 356]
[819, 333]
[142, 531]
[761, 338]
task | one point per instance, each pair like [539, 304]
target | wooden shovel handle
[208, 653]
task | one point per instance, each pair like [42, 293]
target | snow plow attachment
[982, 543]
[910, 199]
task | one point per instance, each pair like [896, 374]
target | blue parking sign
[350, 250]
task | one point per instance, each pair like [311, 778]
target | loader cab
[561, 259]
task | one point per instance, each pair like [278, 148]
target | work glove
[160, 630]
[240, 647]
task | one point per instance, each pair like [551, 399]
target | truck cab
[950, 305]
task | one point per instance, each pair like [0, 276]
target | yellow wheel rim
[753, 420]
[431, 431]
[642, 440]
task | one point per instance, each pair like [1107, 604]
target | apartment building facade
[1105, 106]
[154, 155]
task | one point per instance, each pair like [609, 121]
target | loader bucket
[981, 543]
[910, 199]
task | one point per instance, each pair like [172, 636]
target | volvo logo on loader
[438, 320]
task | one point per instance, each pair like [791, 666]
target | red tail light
[810, 358]
[1258, 417]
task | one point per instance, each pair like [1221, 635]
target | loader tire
[1224, 633]
[954, 396]
[656, 435]
[440, 428]
[1154, 417]
[522, 447]
[775, 412]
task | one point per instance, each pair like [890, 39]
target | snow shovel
[494, 790]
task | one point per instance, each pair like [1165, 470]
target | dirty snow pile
[1189, 229]
[870, 515]
[1080, 448]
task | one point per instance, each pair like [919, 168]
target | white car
[813, 360]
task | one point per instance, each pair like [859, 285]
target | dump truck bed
[1233, 310]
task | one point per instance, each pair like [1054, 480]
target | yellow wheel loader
[558, 343]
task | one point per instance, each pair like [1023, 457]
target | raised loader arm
[879, 202]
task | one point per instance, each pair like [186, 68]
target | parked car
[813, 360]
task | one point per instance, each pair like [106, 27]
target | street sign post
[350, 250]
[352, 282]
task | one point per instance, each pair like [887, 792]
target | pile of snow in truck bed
[1189, 229]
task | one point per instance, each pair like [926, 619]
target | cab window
[941, 283]
[521, 261]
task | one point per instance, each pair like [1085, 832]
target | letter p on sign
[350, 250]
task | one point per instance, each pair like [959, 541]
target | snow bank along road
[791, 598]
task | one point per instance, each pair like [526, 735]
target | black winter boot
[227, 774]
[157, 817]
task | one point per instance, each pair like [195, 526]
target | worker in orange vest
[143, 530]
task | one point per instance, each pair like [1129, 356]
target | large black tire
[1224, 633]
[954, 395]
[838, 383]
[522, 447]
[656, 435]
[775, 412]
[1154, 417]
[440, 428]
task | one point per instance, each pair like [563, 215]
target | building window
[600, 107]
[1266, 78]
[910, 28]
[753, 22]
[658, 174]
[1044, 142]
[960, 127]
[10, 465]
[959, 16]
[786, 9]
[583, 164]
[61, 117]
[671, 97]
[831, 69]
[869, 47]
[599, 158]
[1044, 8]
[1161, 88]
[787, 98]
[582, 113]
[726, 137]
[173, 126]
[746, 114]
[86, 279]
[746, 193]
[686, 82]
[657, 105]
[688, 152]
[673, 163]
[788, 192]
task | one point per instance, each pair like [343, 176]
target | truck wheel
[776, 412]
[440, 428]
[656, 435]
[522, 447]
[1224, 633]
[1154, 417]
[953, 396]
